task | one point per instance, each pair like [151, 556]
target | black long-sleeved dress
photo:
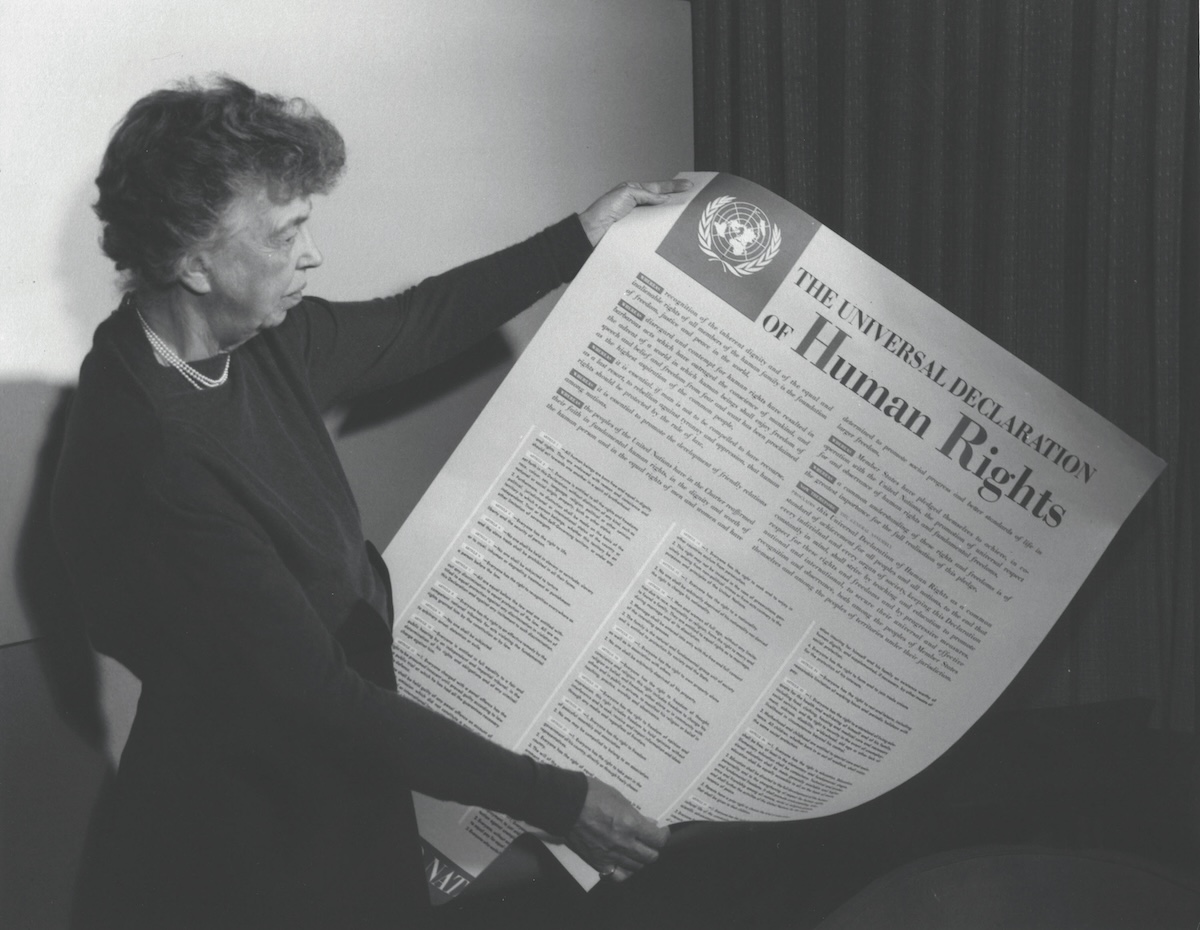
[216, 550]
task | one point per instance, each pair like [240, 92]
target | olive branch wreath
[740, 269]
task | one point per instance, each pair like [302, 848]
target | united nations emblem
[739, 235]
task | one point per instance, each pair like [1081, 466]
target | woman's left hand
[613, 836]
[622, 199]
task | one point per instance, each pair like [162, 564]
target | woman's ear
[194, 274]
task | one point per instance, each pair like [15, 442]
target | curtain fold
[1032, 165]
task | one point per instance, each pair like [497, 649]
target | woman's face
[256, 267]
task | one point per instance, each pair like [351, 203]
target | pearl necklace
[197, 380]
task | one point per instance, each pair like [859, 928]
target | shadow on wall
[67, 658]
[54, 757]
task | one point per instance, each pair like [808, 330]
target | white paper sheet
[754, 530]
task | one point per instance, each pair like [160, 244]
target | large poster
[753, 531]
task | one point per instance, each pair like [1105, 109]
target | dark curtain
[1031, 165]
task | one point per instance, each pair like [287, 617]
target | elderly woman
[215, 545]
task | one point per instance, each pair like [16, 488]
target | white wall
[469, 123]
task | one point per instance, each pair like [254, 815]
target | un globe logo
[739, 235]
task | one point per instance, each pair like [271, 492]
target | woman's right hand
[612, 836]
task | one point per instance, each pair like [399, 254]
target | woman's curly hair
[181, 155]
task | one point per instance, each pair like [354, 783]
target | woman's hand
[622, 199]
[612, 836]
